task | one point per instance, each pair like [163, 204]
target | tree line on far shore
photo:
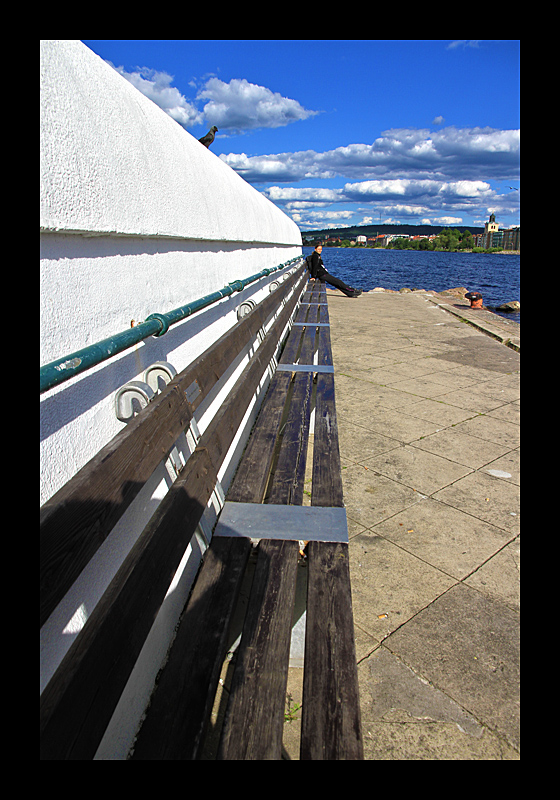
[450, 239]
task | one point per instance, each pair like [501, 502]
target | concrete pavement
[427, 396]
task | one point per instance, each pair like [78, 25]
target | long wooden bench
[80, 698]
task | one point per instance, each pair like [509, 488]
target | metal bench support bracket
[310, 523]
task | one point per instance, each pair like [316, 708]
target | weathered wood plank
[78, 518]
[326, 488]
[301, 314]
[324, 347]
[307, 345]
[292, 346]
[180, 708]
[222, 429]
[255, 715]
[251, 479]
[287, 483]
[331, 726]
[79, 700]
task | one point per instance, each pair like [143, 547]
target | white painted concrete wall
[137, 217]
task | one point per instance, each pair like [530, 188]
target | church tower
[491, 225]
[490, 228]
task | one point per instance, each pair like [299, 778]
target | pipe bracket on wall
[131, 398]
[164, 323]
[245, 308]
[161, 370]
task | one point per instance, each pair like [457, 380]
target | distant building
[492, 237]
[491, 226]
[506, 239]
[512, 239]
[390, 236]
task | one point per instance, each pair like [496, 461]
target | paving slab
[370, 497]
[485, 497]
[459, 447]
[499, 577]
[395, 423]
[467, 645]
[405, 717]
[510, 412]
[417, 468]
[382, 600]
[439, 412]
[358, 443]
[511, 464]
[445, 537]
[487, 428]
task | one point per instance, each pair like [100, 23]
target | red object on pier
[475, 298]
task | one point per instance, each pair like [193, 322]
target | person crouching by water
[318, 272]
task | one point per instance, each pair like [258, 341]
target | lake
[495, 276]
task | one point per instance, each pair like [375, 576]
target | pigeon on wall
[209, 138]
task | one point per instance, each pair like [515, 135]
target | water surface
[495, 276]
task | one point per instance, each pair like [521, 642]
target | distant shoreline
[405, 249]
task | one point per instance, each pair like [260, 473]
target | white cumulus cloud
[235, 106]
[288, 194]
[400, 153]
[157, 87]
[240, 105]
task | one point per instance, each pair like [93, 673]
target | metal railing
[156, 324]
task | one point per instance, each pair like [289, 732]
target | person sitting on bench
[318, 272]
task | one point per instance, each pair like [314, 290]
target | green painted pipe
[155, 325]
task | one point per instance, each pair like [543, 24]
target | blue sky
[348, 132]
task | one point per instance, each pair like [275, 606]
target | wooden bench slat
[251, 478]
[181, 705]
[254, 717]
[326, 488]
[291, 347]
[307, 345]
[287, 483]
[78, 518]
[301, 314]
[80, 698]
[331, 726]
[316, 292]
[324, 347]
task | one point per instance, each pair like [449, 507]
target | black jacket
[317, 266]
